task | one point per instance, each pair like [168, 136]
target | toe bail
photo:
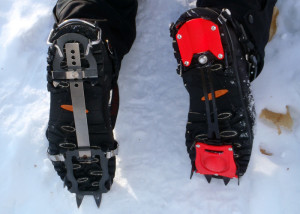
[215, 160]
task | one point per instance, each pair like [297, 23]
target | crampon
[82, 81]
[216, 61]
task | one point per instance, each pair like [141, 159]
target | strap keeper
[61, 157]
[112, 153]
[75, 74]
[56, 158]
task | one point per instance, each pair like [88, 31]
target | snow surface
[153, 166]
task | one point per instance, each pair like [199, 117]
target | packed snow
[153, 167]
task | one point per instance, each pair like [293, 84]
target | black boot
[82, 80]
[216, 61]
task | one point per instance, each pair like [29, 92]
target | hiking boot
[82, 81]
[216, 61]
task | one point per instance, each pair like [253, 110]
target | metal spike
[110, 183]
[208, 178]
[65, 181]
[226, 180]
[98, 199]
[192, 173]
[79, 199]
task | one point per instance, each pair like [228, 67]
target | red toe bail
[215, 160]
[198, 36]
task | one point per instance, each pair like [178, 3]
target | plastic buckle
[215, 160]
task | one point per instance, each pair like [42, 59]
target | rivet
[198, 146]
[230, 149]
[202, 59]
[250, 19]
[236, 155]
[75, 74]
[179, 36]
[220, 56]
[186, 63]
[227, 11]
[213, 28]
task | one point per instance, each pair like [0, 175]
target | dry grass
[278, 119]
[273, 27]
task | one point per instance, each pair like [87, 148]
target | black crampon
[82, 80]
[216, 61]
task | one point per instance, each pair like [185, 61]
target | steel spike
[98, 199]
[79, 199]
[226, 180]
[192, 173]
[65, 181]
[208, 178]
[110, 183]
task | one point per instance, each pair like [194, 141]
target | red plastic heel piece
[215, 160]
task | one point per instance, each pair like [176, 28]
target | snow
[153, 167]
